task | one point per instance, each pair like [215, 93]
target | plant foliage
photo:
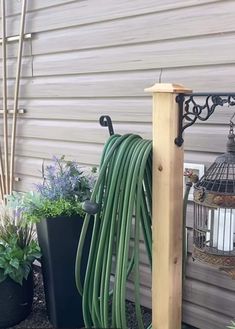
[18, 248]
[65, 186]
[232, 325]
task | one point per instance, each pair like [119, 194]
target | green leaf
[27, 270]
[2, 276]
[17, 276]
[15, 263]
[233, 325]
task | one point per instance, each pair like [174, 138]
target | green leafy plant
[55, 208]
[65, 186]
[232, 325]
[18, 248]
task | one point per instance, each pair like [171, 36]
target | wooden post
[167, 208]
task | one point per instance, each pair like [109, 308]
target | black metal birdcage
[214, 212]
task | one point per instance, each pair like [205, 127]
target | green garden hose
[123, 192]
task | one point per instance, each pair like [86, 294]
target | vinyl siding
[89, 58]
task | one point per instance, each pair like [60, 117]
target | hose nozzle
[90, 207]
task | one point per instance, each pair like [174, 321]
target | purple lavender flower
[65, 180]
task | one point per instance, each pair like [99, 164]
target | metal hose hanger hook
[106, 121]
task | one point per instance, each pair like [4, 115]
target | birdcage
[214, 212]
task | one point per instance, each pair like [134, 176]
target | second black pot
[15, 301]
[58, 239]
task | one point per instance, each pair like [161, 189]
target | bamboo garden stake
[4, 96]
[16, 94]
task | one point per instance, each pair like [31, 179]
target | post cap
[168, 88]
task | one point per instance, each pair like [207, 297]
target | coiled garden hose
[123, 192]
[122, 199]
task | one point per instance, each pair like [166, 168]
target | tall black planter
[58, 239]
[15, 301]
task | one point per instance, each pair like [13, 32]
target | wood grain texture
[167, 205]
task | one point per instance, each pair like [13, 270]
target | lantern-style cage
[214, 212]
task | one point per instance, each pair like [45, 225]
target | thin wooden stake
[167, 209]
[16, 94]
[4, 95]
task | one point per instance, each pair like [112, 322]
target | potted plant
[57, 207]
[18, 250]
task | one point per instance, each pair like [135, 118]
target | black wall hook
[106, 121]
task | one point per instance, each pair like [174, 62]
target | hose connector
[90, 207]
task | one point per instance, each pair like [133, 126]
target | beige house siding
[88, 58]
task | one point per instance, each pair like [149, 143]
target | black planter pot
[58, 239]
[15, 301]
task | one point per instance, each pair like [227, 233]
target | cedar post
[167, 208]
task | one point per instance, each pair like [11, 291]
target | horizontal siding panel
[211, 297]
[210, 275]
[83, 153]
[144, 271]
[200, 157]
[145, 294]
[26, 183]
[26, 68]
[128, 31]
[86, 12]
[169, 54]
[206, 138]
[145, 276]
[128, 110]
[14, 7]
[126, 84]
[93, 86]
[143, 255]
[203, 318]
[207, 79]
[72, 131]
[12, 49]
[139, 57]
[190, 22]
[29, 167]
[131, 109]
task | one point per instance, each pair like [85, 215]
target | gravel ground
[38, 317]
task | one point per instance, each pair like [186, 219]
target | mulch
[38, 317]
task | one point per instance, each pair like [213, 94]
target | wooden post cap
[168, 88]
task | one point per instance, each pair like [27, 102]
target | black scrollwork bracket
[192, 108]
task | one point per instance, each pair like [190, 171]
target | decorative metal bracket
[190, 110]
[106, 121]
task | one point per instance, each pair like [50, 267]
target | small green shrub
[18, 248]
